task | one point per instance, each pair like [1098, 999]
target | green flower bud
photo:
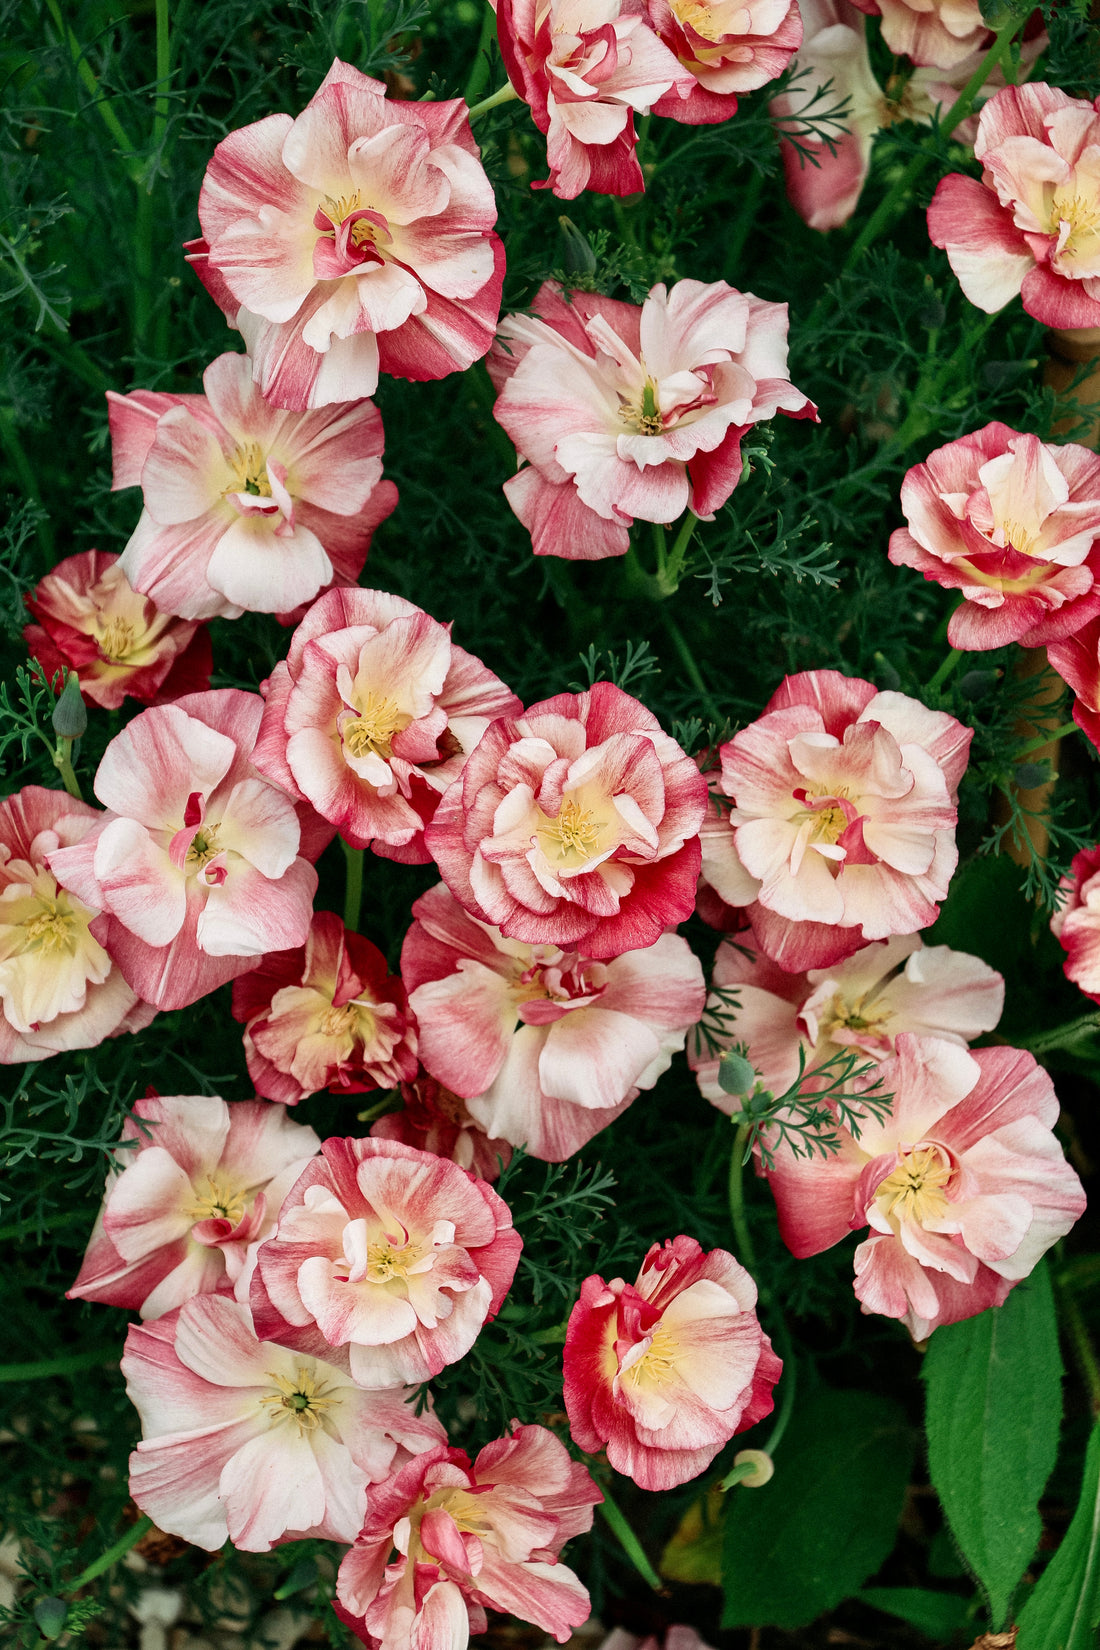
[578, 257]
[735, 1075]
[70, 717]
[50, 1614]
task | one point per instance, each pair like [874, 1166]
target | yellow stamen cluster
[695, 15]
[658, 1361]
[117, 640]
[52, 929]
[204, 847]
[644, 415]
[574, 831]
[351, 1020]
[249, 467]
[915, 1190]
[375, 726]
[1019, 538]
[219, 1200]
[858, 1016]
[304, 1400]
[1080, 213]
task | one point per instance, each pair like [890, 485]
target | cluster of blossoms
[295, 1293]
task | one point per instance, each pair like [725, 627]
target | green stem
[944, 671]
[1042, 739]
[164, 70]
[113, 1554]
[479, 74]
[746, 1254]
[669, 577]
[91, 85]
[63, 762]
[883, 214]
[1063, 1036]
[59, 1366]
[505, 95]
[660, 546]
[691, 666]
[353, 886]
[554, 1336]
[746, 218]
[630, 1544]
[1078, 1334]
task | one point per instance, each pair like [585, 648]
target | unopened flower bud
[578, 257]
[1030, 774]
[977, 683]
[735, 1074]
[70, 717]
[762, 1467]
[50, 1615]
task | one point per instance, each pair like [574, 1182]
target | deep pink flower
[466, 1537]
[89, 619]
[246, 507]
[203, 1181]
[843, 821]
[664, 1372]
[1029, 226]
[196, 863]
[963, 1184]
[1076, 658]
[862, 1003]
[624, 411]
[372, 715]
[387, 1261]
[1076, 923]
[59, 987]
[245, 1441]
[934, 33]
[575, 824]
[546, 1046]
[355, 238]
[327, 1015]
[434, 1119]
[585, 68]
[728, 46]
[1012, 522]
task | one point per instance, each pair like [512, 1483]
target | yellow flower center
[249, 467]
[574, 831]
[303, 1400]
[858, 1016]
[915, 1190]
[1018, 536]
[1080, 214]
[53, 928]
[658, 1361]
[219, 1200]
[694, 15]
[340, 208]
[204, 847]
[117, 640]
[351, 1020]
[828, 823]
[387, 1260]
[644, 415]
[374, 728]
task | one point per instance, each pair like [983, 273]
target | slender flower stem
[505, 95]
[59, 1366]
[746, 1252]
[660, 546]
[353, 886]
[91, 84]
[1063, 1036]
[691, 667]
[630, 1544]
[1045, 739]
[111, 1557]
[479, 73]
[669, 576]
[63, 762]
[945, 670]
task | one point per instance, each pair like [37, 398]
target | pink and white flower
[194, 1184]
[862, 1003]
[546, 1046]
[939, 34]
[372, 715]
[327, 1015]
[1012, 522]
[245, 1441]
[435, 1119]
[664, 1371]
[246, 508]
[59, 987]
[585, 68]
[1076, 923]
[963, 1185]
[842, 828]
[387, 1261]
[575, 825]
[196, 863]
[728, 46]
[354, 239]
[1076, 658]
[469, 1536]
[624, 411]
[90, 620]
[1032, 224]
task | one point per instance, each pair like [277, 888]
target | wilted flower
[664, 1372]
[357, 237]
[196, 863]
[386, 1260]
[246, 507]
[585, 68]
[435, 1119]
[575, 824]
[861, 1003]
[546, 1046]
[372, 715]
[1076, 923]
[625, 411]
[327, 1015]
[728, 46]
[196, 1183]
[245, 1441]
[445, 1538]
[59, 987]
[1012, 522]
[91, 621]
[962, 1183]
[1029, 226]
[843, 821]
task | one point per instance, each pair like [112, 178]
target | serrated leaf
[828, 1518]
[1063, 1612]
[937, 1614]
[993, 1411]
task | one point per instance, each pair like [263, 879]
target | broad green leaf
[694, 1552]
[937, 1614]
[994, 1407]
[1063, 1612]
[828, 1518]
